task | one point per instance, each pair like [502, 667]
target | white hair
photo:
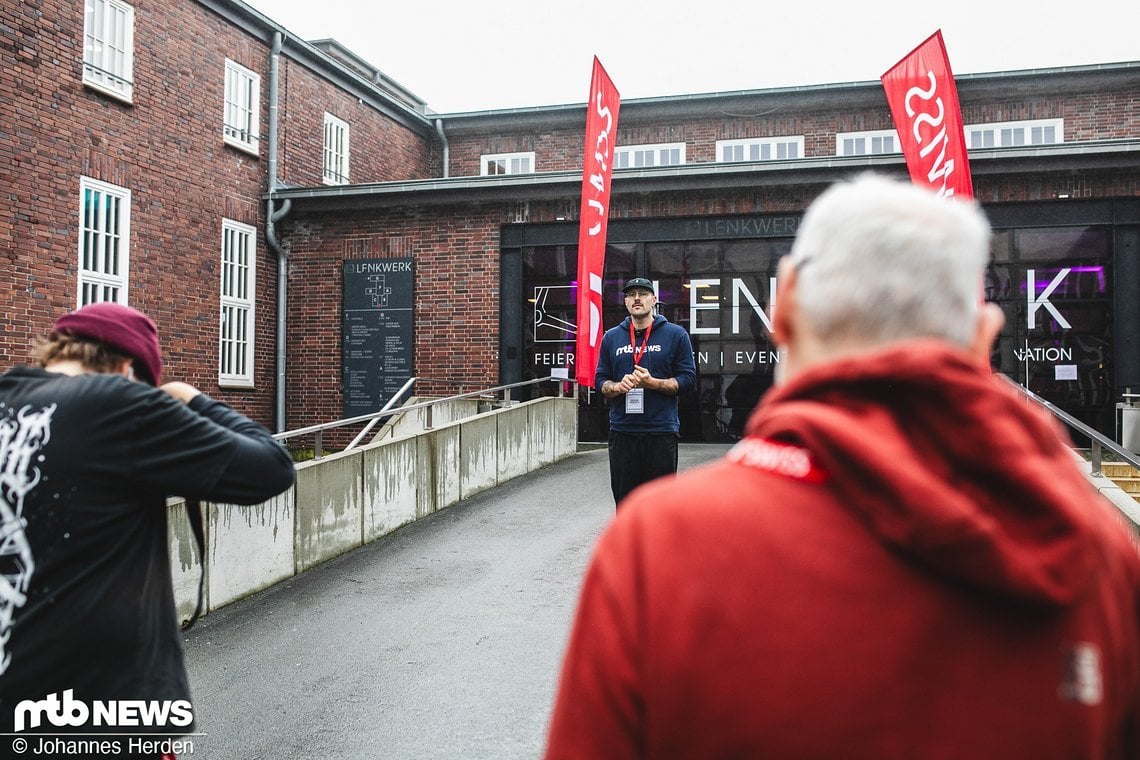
[879, 261]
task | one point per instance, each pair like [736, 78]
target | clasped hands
[639, 378]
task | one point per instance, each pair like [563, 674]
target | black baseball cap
[639, 282]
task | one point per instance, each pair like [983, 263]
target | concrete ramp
[442, 639]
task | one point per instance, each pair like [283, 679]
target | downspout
[273, 216]
[446, 149]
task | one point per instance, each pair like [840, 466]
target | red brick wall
[1090, 116]
[380, 150]
[456, 301]
[167, 149]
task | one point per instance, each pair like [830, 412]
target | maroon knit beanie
[124, 329]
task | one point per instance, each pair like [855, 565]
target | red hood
[946, 464]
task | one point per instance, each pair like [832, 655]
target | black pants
[637, 458]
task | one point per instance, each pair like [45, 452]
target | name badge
[635, 401]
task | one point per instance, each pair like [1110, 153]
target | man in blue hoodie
[644, 364]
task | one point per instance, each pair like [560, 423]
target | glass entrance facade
[1055, 287]
[1054, 284]
[723, 293]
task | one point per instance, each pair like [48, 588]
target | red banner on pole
[924, 105]
[597, 171]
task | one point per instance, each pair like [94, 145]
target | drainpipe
[446, 149]
[272, 216]
[282, 305]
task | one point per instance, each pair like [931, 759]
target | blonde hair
[93, 355]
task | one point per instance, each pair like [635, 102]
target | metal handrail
[1097, 441]
[387, 411]
[391, 402]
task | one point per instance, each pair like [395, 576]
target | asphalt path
[441, 640]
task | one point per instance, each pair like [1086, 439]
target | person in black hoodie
[91, 445]
[643, 365]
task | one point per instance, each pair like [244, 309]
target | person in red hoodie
[901, 559]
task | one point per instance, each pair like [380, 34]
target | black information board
[376, 332]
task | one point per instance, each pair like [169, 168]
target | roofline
[263, 28]
[371, 73]
[422, 120]
[547, 186]
[800, 89]
[970, 86]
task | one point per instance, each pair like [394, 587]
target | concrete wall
[441, 413]
[345, 500]
[1124, 502]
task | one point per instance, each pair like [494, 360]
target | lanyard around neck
[638, 352]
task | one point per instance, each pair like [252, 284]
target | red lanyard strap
[638, 352]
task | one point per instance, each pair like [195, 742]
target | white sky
[473, 55]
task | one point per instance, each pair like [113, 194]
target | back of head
[879, 261]
[97, 334]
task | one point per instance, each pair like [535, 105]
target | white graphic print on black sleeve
[22, 434]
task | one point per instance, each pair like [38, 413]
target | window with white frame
[760, 149]
[506, 163]
[104, 236]
[639, 156]
[109, 47]
[874, 143]
[242, 108]
[335, 170]
[1013, 133]
[235, 345]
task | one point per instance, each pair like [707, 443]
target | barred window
[108, 47]
[235, 346]
[335, 170]
[104, 235]
[242, 107]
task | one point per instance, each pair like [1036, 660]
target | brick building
[137, 144]
[194, 175]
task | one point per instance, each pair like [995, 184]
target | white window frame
[506, 163]
[648, 155]
[867, 143]
[760, 149]
[334, 170]
[109, 48]
[104, 242]
[241, 112]
[1010, 134]
[236, 326]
